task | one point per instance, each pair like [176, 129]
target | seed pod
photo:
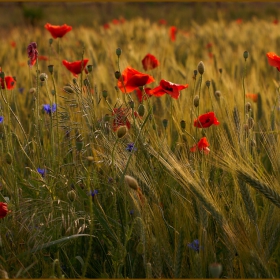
[208, 83]
[43, 77]
[200, 68]
[196, 101]
[217, 94]
[246, 55]
[32, 90]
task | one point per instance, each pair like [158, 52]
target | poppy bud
[246, 55]
[215, 270]
[121, 132]
[117, 75]
[71, 195]
[53, 92]
[2, 75]
[248, 107]
[220, 70]
[208, 83]
[131, 182]
[50, 67]
[32, 90]
[200, 68]
[131, 104]
[104, 93]
[86, 82]
[106, 118]
[250, 123]
[183, 124]
[141, 110]
[50, 41]
[118, 51]
[140, 248]
[43, 77]
[89, 68]
[8, 158]
[196, 101]
[75, 81]
[217, 94]
[195, 73]
[165, 122]
[68, 89]
[79, 145]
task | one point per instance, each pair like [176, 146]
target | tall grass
[81, 219]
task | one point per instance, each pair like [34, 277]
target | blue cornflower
[93, 193]
[21, 89]
[42, 171]
[194, 245]
[1, 119]
[130, 147]
[131, 212]
[49, 109]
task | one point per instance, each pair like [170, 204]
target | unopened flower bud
[104, 94]
[246, 55]
[131, 104]
[200, 68]
[121, 131]
[141, 110]
[118, 51]
[117, 74]
[89, 68]
[32, 90]
[106, 118]
[183, 124]
[208, 83]
[196, 101]
[165, 123]
[43, 77]
[50, 41]
[131, 182]
[220, 70]
[217, 94]
[50, 67]
[195, 73]
[2, 75]
[215, 270]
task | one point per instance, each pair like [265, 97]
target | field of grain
[165, 169]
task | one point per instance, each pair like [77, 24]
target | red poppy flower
[273, 60]
[106, 26]
[58, 31]
[206, 120]
[239, 21]
[115, 21]
[209, 46]
[120, 118]
[13, 44]
[3, 210]
[149, 62]
[132, 79]
[172, 33]
[42, 57]
[169, 88]
[32, 53]
[162, 22]
[75, 67]
[202, 145]
[210, 54]
[252, 96]
[275, 21]
[10, 82]
[122, 20]
[142, 96]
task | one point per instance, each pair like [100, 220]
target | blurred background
[96, 13]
